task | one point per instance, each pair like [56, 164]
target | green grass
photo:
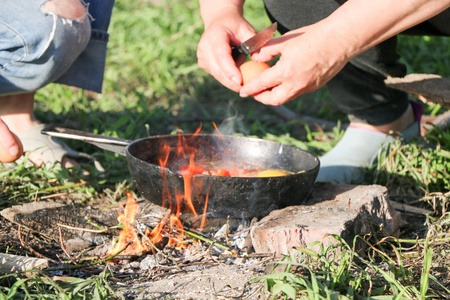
[42, 286]
[154, 86]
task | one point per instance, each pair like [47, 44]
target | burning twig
[128, 235]
[154, 248]
[147, 239]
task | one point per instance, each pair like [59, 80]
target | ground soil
[201, 272]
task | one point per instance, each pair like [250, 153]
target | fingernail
[14, 150]
[235, 81]
[243, 95]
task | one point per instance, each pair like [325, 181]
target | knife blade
[255, 42]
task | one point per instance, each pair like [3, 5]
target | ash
[210, 265]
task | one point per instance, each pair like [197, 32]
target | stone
[343, 210]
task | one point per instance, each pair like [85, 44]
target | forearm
[361, 24]
[212, 9]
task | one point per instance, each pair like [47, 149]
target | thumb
[268, 51]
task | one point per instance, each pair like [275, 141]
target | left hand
[309, 59]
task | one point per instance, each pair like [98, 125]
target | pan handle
[113, 144]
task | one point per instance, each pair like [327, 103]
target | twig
[63, 247]
[410, 209]
[99, 261]
[52, 196]
[171, 272]
[214, 243]
[83, 229]
[35, 196]
[147, 239]
[94, 224]
[227, 231]
[414, 241]
[30, 248]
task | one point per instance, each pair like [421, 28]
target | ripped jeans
[38, 48]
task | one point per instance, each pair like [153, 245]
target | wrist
[212, 10]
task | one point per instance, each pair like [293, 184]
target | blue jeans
[38, 48]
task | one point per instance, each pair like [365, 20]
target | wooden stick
[426, 87]
[10, 263]
[410, 209]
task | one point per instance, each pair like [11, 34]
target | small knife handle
[238, 51]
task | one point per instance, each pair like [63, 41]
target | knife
[255, 42]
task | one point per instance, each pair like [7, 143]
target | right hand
[7, 140]
[214, 48]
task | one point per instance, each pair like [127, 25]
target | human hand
[309, 59]
[214, 48]
[12, 148]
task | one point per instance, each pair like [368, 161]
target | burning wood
[181, 202]
[128, 240]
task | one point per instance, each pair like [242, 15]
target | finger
[218, 62]
[275, 96]
[267, 80]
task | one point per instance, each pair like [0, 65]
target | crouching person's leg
[39, 41]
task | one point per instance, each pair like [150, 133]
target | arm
[211, 10]
[225, 26]
[383, 20]
[312, 55]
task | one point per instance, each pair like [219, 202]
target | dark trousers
[359, 89]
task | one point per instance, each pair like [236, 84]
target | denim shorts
[38, 48]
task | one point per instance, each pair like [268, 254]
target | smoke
[233, 122]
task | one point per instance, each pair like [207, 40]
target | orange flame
[128, 240]
[170, 226]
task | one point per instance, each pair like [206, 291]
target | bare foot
[17, 113]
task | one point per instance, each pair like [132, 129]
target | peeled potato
[5, 157]
[271, 173]
[252, 69]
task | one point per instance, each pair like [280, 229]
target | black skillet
[236, 197]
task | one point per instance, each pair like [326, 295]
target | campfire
[170, 228]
